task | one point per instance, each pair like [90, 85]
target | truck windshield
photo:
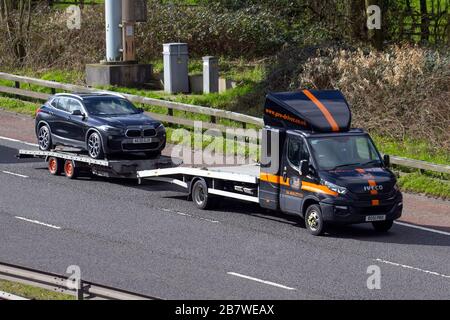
[337, 152]
[109, 106]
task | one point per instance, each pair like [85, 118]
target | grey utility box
[176, 79]
[210, 74]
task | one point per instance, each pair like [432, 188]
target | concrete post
[113, 19]
[176, 79]
[210, 74]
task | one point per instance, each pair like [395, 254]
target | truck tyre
[70, 170]
[382, 226]
[200, 195]
[314, 220]
[55, 166]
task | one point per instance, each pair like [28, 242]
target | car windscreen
[109, 106]
[345, 151]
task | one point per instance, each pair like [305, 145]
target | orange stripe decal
[326, 113]
[267, 177]
[308, 186]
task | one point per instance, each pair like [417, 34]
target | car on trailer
[101, 123]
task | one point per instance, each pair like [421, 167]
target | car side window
[61, 104]
[72, 105]
[55, 103]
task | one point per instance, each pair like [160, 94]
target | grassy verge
[424, 184]
[19, 106]
[31, 292]
[412, 149]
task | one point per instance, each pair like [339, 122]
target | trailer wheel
[70, 170]
[383, 226]
[314, 220]
[200, 195]
[55, 166]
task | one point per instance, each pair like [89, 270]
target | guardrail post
[213, 119]
[80, 290]
[170, 112]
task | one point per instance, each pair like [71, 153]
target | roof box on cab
[319, 111]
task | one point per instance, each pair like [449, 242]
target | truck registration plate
[380, 217]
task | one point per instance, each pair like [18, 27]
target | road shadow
[399, 234]
[8, 156]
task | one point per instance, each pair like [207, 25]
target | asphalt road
[149, 239]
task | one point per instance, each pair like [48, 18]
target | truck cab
[315, 166]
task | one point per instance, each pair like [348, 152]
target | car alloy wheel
[44, 138]
[94, 145]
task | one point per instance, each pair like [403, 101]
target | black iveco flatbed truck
[312, 165]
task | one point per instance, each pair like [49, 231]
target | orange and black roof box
[312, 110]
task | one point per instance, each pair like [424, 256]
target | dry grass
[403, 92]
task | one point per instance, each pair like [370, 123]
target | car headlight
[111, 130]
[160, 128]
[334, 187]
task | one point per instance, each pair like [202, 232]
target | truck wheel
[313, 220]
[200, 195]
[383, 226]
[55, 166]
[70, 170]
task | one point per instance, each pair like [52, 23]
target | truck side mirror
[304, 167]
[387, 160]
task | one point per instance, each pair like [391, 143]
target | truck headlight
[334, 187]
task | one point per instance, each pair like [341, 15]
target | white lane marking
[15, 174]
[260, 280]
[182, 213]
[20, 141]
[38, 222]
[413, 268]
[422, 228]
[189, 215]
[209, 220]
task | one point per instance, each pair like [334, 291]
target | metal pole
[113, 19]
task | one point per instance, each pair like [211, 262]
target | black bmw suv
[100, 123]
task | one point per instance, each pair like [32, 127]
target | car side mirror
[304, 167]
[387, 160]
[141, 110]
[77, 112]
